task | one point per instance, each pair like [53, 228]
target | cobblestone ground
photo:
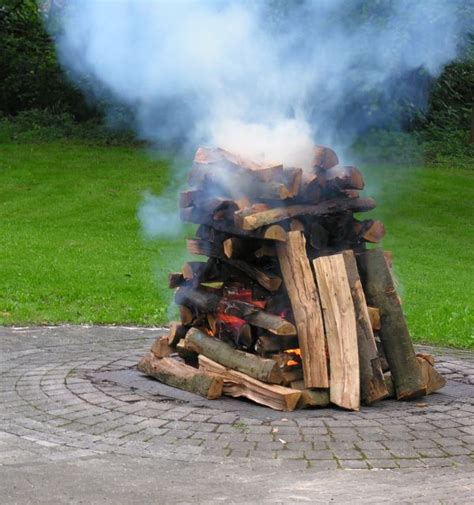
[72, 392]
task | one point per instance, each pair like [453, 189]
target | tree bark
[265, 370]
[398, 347]
[173, 373]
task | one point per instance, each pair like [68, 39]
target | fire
[293, 353]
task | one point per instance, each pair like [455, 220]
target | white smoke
[243, 75]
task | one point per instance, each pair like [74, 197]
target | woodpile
[290, 309]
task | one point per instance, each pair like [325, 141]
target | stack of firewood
[290, 309]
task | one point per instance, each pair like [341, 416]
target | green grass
[71, 248]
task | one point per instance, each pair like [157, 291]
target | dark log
[249, 220]
[341, 177]
[198, 299]
[341, 331]
[174, 373]
[267, 280]
[372, 385]
[304, 299]
[369, 230]
[265, 370]
[175, 279]
[380, 292]
[177, 331]
[237, 384]
[273, 344]
[186, 315]
[189, 357]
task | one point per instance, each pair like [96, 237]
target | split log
[372, 386]
[203, 248]
[369, 230]
[250, 220]
[310, 190]
[311, 397]
[341, 177]
[161, 347]
[173, 373]
[291, 374]
[432, 379]
[304, 300]
[267, 344]
[341, 331]
[324, 158]
[177, 332]
[237, 384]
[193, 270]
[380, 292]
[265, 370]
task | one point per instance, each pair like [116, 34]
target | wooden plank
[341, 331]
[372, 385]
[237, 384]
[304, 299]
[394, 335]
[265, 370]
[174, 373]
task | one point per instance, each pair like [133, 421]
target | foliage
[37, 126]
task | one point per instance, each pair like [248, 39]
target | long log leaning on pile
[341, 331]
[174, 373]
[372, 385]
[237, 384]
[265, 370]
[249, 220]
[304, 299]
[380, 292]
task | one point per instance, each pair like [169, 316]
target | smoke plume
[265, 78]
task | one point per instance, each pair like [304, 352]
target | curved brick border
[54, 409]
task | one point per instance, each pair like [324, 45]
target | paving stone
[353, 464]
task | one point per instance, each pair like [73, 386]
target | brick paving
[74, 391]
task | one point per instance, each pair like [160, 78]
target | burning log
[341, 332]
[380, 292]
[173, 373]
[265, 370]
[237, 384]
[304, 300]
[267, 345]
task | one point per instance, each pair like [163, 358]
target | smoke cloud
[264, 78]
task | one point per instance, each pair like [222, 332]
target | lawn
[71, 248]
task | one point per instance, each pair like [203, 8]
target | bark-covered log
[197, 298]
[304, 298]
[274, 344]
[380, 292]
[173, 373]
[265, 370]
[274, 324]
[311, 397]
[251, 220]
